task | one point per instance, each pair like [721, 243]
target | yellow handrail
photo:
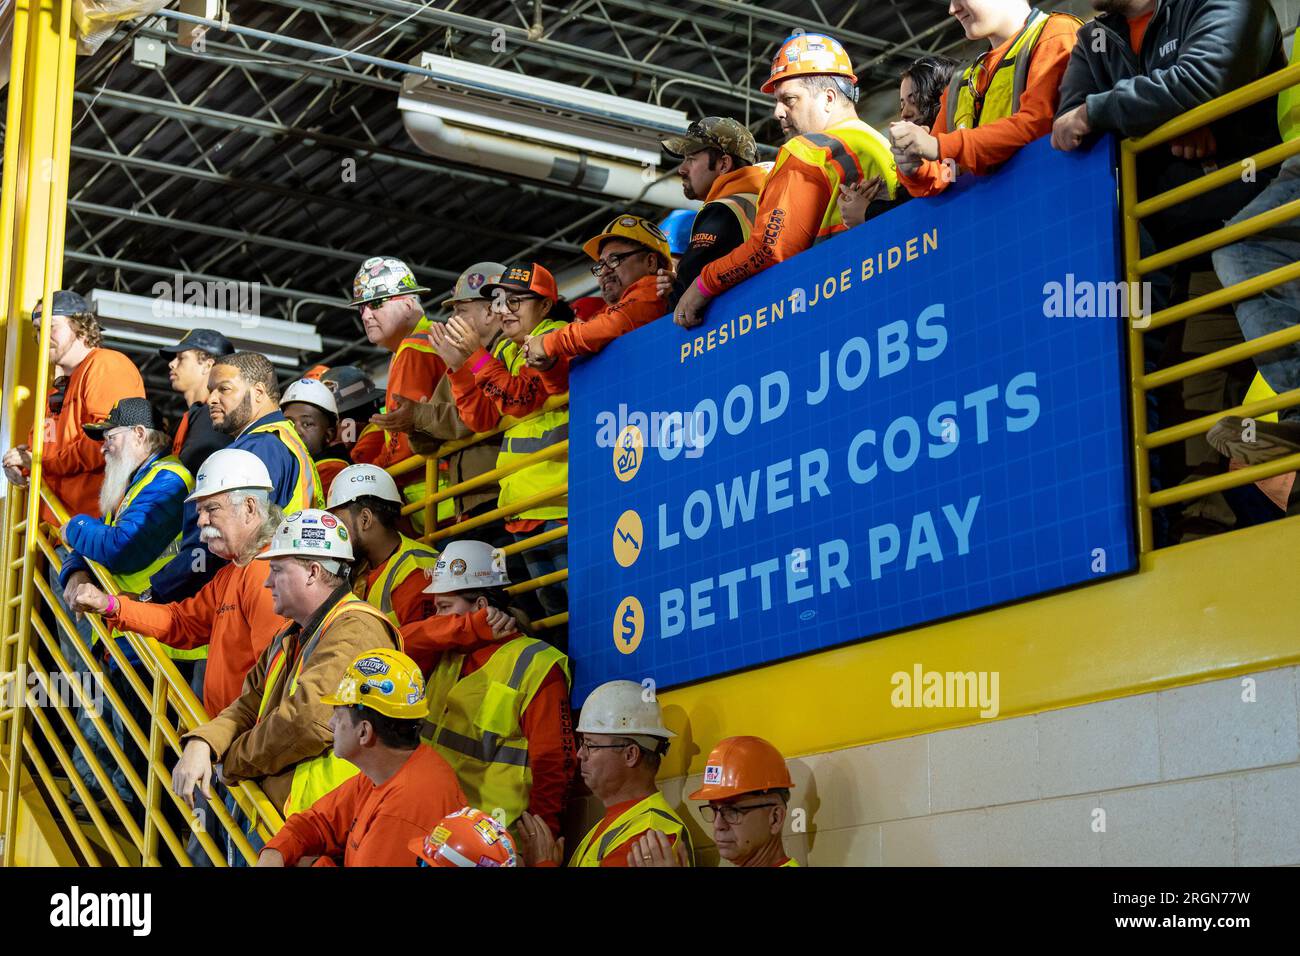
[1136, 266]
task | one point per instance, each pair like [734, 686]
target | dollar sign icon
[629, 625]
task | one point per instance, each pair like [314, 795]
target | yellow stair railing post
[34, 202]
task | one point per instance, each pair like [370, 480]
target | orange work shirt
[978, 150]
[72, 463]
[233, 614]
[1137, 29]
[639, 305]
[359, 824]
[413, 374]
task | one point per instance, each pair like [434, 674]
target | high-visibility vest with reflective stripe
[1001, 98]
[534, 434]
[137, 581]
[652, 813]
[846, 153]
[475, 722]
[791, 862]
[307, 493]
[316, 776]
[744, 206]
[1288, 101]
[411, 557]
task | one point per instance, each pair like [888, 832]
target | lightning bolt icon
[627, 538]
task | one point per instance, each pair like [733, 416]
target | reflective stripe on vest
[652, 813]
[410, 556]
[316, 776]
[1001, 98]
[137, 581]
[541, 431]
[478, 725]
[847, 153]
[307, 493]
[744, 206]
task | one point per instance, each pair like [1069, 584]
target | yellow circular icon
[628, 538]
[629, 625]
[627, 453]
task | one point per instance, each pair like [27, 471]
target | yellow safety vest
[652, 813]
[846, 153]
[744, 206]
[1288, 101]
[316, 776]
[138, 581]
[418, 341]
[790, 862]
[475, 721]
[409, 558]
[308, 494]
[968, 109]
[541, 431]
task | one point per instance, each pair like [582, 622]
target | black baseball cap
[352, 387]
[206, 339]
[65, 303]
[127, 413]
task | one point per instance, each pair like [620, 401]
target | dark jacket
[1193, 51]
[200, 439]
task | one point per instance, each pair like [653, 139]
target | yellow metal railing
[172, 709]
[1136, 266]
[429, 503]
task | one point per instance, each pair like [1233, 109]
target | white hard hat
[356, 481]
[620, 708]
[311, 533]
[312, 392]
[229, 469]
[465, 565]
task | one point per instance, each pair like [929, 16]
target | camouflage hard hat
[716, 132]
[382, 277]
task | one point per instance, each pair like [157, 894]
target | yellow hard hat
[386, 681]
[634, 229]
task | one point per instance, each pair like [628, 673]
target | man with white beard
[142, 499]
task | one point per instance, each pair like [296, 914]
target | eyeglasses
[730, 815]
[374, 305]
[513, 302]
[583, 745]
[613, 262]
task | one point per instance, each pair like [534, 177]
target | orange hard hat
[316, 371]
[740, 765]
[810, 54]
[467, 837]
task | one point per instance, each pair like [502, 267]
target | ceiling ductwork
[563, 135]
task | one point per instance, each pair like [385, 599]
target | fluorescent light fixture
[512, 104]
[164, 319]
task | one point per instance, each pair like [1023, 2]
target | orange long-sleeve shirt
[413, 374]
[978, 150]
[233, 614]
[790, 211]
[639, 305]
[360, 824]
[547, 721]
[72, 463]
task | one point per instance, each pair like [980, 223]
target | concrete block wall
[1194, 775]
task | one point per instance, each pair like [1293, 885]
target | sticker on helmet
[313, 533]
[329, 521]
[370, 666]
[713, 773]
[343, 534]
[384, 686]
[458, 566]
[475, 280]
[627, 221]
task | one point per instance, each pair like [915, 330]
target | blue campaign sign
[920, 418]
